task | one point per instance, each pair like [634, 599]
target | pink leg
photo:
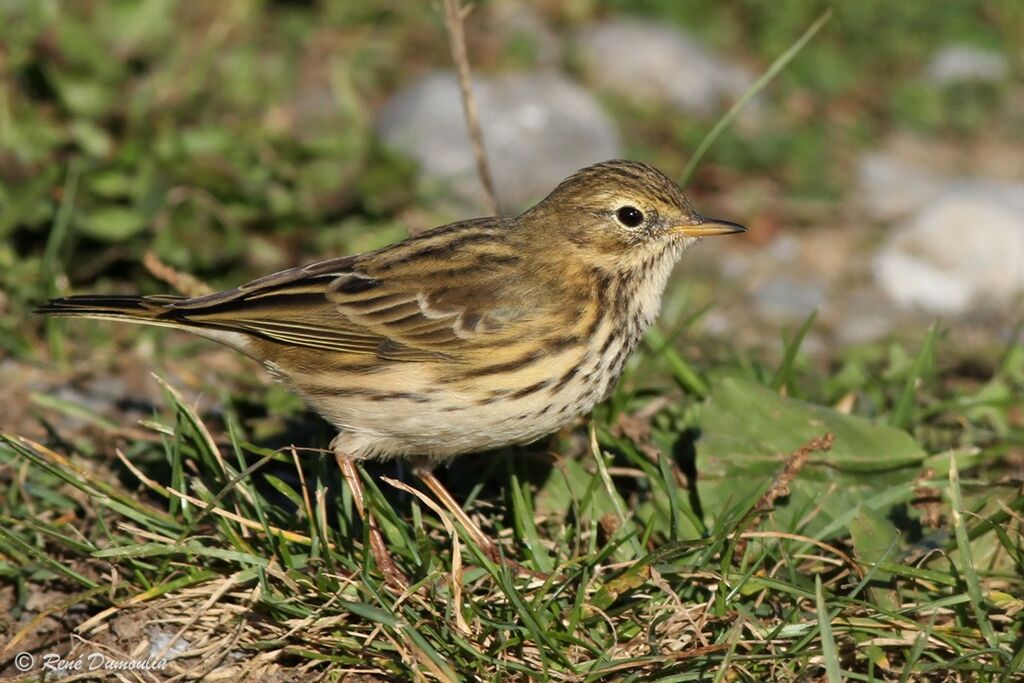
[378, 548]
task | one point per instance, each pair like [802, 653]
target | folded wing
[428, 298]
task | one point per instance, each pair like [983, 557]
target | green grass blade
[776, 67]
[903, 413]
[40, 556]
[828, 641]
[784, 375]
[55, 254]
[617, 503]
[522, 513]
[684, 373]
[967, 567]
[675, 505]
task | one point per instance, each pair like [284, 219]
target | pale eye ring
[630, 216]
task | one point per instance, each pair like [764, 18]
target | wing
[433, 296]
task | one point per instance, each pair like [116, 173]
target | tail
[148, 310]
[159, 310]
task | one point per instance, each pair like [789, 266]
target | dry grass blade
[454, 16]
[456, 572]
[253, 525]
[189, 285]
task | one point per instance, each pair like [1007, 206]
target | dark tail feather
[147, 310]
[112, 306]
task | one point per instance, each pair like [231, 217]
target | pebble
[890, 188]
[964, 250]
[651, 62]
[867, 317]
[538, 128]
[162, 644]
[966, 63]
[786, 298]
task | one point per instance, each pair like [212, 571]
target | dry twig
[780, 485]
[186, 284]
[795, 463]
[454, 15]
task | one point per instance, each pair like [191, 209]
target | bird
[468, 337]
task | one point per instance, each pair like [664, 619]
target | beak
[705, 227]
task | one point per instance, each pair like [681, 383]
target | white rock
[964, 250]
[960, 63]
[891, 188]
[651, 62]
[159, 640]
[537, 128]
[914, 283]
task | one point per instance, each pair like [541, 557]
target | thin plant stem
[454, 15]
[776, 67]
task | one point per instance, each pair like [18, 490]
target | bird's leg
[483, 541]
[378, 548]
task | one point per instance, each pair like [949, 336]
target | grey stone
[1013, 333]
[784, 249]
[735, 265]
[651, 62]
[537, 128]
[965, 250]
[963, 63]
[786, 298]
[868, 315]
[890, 188]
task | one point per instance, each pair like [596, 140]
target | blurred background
[881, 173]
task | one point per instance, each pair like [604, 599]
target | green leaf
[83, 96]
[570, 483]
[749, 433]
[872, 534]
[873, 537]
[111, 223]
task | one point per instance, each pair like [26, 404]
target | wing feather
[384, 303]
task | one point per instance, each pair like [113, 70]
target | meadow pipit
[470, 336]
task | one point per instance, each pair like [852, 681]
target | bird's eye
[630, 216]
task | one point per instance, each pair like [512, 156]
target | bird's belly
[415, 415]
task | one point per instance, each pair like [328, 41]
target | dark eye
[630, 216]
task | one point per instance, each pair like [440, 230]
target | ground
[769, 494]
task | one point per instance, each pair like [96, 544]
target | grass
[725, 515]
[255, 558]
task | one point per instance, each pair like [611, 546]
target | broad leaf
[749, 432]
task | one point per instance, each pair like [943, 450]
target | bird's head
[622, 211]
